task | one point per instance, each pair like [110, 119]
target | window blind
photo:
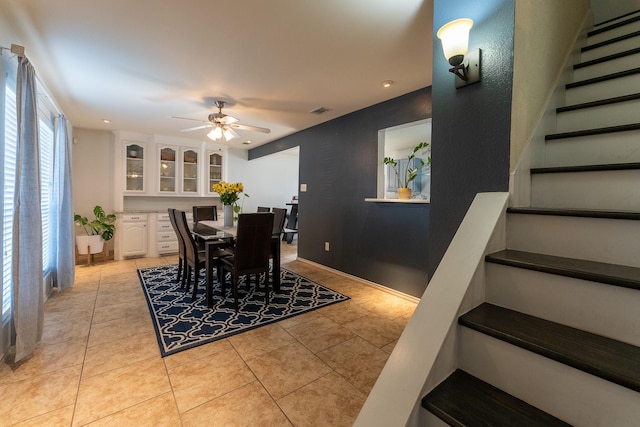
[10, 144]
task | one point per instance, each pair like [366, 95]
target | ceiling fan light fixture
[215, 134]
[228, 134]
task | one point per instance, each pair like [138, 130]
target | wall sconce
[455, 43]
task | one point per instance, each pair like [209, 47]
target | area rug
[181, 324]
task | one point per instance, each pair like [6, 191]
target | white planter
[94, 244]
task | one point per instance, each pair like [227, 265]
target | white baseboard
[383, 288]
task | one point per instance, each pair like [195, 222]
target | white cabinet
[167, 170]
[190, 171]
[166, 240]
[134, 167]
[134, 235]
[214, 170]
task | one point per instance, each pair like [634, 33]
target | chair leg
[179, 270]
[187, 277]
[266, 288]
[234, 284]
[196, 274]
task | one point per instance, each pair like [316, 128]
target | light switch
[303, 187]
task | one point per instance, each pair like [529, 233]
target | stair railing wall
[426, 351]
[531, 124]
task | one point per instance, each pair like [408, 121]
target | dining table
[212, 233]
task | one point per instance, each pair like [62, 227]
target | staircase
[557, 341]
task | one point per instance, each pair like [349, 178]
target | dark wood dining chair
[194, 257]
[279, 216]
[204, 213]
[182, 264]
[263, 209]
[250, 253]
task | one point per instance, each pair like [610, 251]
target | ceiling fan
[222, 124]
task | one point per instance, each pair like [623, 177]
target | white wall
[604, 10]
[92, 152]
[270, 181]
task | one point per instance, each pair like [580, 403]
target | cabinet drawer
[164, 217]
[134, 218]
[164, 226]
[166, 236]
[167, 247]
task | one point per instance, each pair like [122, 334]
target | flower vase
[228, 216]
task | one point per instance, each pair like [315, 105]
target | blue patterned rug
[181, 324]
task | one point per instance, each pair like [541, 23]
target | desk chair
[251, 252]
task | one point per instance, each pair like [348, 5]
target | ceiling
[137, 64]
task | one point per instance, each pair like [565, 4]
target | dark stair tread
[608, 21]
[464, 400]
[583, 213]
[594, 131]
[606, 58]
[598, 103]
[587, 168]
[612, 274]
[605, 28]
[604, 78]
[611, 41]
[606, 358]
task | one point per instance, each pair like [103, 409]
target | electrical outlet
[326, 246]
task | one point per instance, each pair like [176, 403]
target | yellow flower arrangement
[229, 193]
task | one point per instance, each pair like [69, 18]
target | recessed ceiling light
[247, 142]
[387, 83]
[106, 121]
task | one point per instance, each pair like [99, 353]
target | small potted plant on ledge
[406, 170]
[98, 231]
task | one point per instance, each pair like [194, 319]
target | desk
[211, 232]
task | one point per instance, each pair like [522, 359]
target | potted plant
[407, 170]
[229, 196]
[98, 231]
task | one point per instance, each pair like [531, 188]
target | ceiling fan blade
[195, 128]
[227, 120]
[250, 128]
[187, 118]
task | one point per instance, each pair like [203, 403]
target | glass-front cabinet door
[167, 171]
[134, 168]
[215, 170]
[190, 171]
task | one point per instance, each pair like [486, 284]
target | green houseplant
[408, 172]
[99, 230]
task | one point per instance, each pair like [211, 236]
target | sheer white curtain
[8, 65]
[28, 298]
[63, 245]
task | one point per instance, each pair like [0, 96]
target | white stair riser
[566, 300]
[620, 113]
[613, 66]
[608, 190]
[616, 147]
[613, 33]
[567, 393]
[612, 241]
[616, 20]
[610, 49]
[603, 90]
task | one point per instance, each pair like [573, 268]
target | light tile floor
[99, 363]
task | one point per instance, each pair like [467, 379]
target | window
[46, 139]
[8, 179]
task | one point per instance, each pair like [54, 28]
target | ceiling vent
[319, 110]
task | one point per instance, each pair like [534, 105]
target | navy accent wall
[381, 242]
[471, 125]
